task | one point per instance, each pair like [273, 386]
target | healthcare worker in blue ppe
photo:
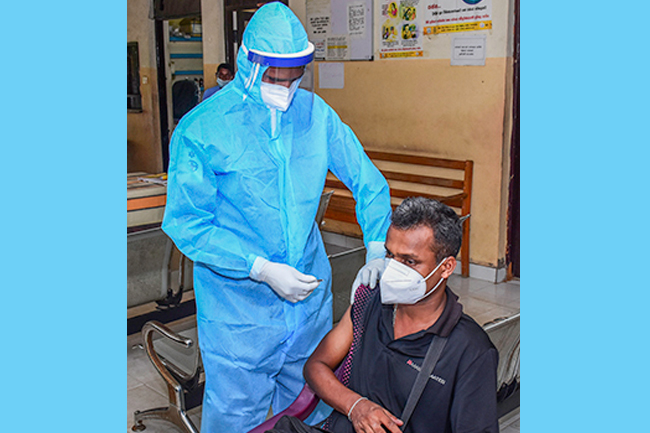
[247, 170]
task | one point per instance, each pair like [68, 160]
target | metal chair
[177, 359]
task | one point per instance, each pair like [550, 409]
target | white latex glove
[371, 272]
[285, 280]
[368, 275]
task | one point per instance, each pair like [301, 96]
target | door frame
[237, 13]
[513, 251]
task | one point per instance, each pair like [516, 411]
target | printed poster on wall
[338, 47]
[357, 20]
[448, 16]
[318, 26]
[401, 28]
[340, 29]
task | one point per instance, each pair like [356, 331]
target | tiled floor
[482, 300]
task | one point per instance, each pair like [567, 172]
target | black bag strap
[430, 360]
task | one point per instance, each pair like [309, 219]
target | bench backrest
[446, 180]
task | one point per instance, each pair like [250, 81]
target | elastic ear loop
[437, 267]
[439, 282]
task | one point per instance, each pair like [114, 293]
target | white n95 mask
[400, 284]
[277, 96]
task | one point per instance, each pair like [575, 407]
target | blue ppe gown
[245, 181]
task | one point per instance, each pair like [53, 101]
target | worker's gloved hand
[368, 275]
[371, 272]
[285, 280]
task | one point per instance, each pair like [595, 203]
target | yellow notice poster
[401, 29]
[451, 16]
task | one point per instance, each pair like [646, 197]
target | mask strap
[432, 290]
[432, 272]
[439, 282]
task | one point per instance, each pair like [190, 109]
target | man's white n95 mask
[401, 284]
[277, 96]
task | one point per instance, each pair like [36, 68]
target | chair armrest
[148, 330]
[301, 408]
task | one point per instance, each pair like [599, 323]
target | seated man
[225, 74]
[411, 304]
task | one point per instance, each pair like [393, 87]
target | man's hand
[369, 417]
[285, 280]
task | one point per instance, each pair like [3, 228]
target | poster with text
[449, 16]
[357, 20]
[338, 47]
[401, 29]
[318, 26]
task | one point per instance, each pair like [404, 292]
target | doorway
[179, 57]
[237, 15]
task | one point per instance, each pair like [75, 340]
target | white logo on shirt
[438, 379]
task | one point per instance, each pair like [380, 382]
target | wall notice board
[340, 29]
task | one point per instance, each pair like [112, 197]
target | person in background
[246, 174]
[225, 73]
[399, 320]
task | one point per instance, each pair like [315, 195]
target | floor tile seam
[497, 289]
[142, 364]
[482, 284]
[490, 307]
[462, 288]
[501, 287]
[156, 391]
[147, 376]
[135, 388]
[496, 299]
[499, 303]
[132, 377]
[139, 364]
[508, 288]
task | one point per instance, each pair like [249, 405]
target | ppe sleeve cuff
[375, 250]
[258, 264]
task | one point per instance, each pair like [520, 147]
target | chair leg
[171, 414]
[174, 413]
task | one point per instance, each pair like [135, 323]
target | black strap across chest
[430, 360]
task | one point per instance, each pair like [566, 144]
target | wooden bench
[446, 180]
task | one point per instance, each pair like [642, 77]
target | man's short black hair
[226, 66]
[440, 218]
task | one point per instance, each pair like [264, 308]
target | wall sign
[401, 28]
[340, 29]
[448, 16]
[468, 50]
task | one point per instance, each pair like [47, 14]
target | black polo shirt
[460, 395]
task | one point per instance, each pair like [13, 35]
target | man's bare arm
[367, 417]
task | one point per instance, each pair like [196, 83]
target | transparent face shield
[288, 82]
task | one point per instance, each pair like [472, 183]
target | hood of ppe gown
[274, 28]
